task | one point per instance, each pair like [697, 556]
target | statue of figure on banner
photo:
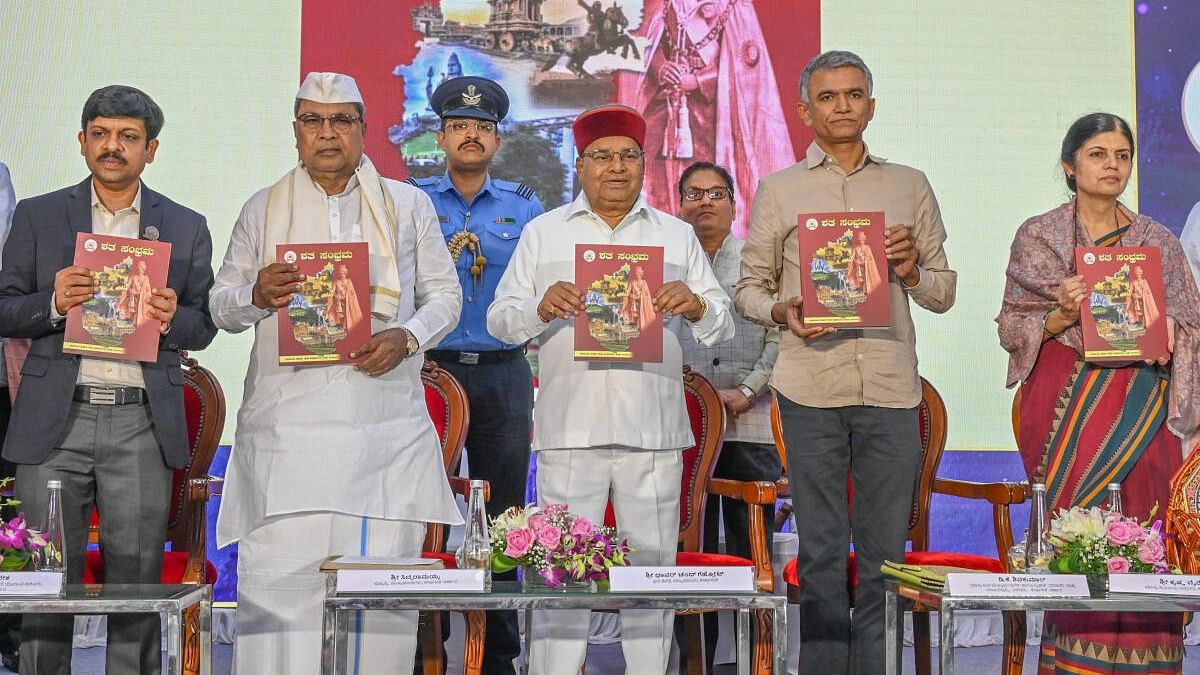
[606, 33]
[697, 49]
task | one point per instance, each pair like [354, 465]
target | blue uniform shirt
[497, 215]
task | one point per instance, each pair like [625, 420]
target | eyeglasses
[341, 123]
[630, 155]
[715, 194]
[461, 127]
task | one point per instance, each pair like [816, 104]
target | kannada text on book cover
[844, 272]
[116, 323]
[619, 322]
[331, 315]
[1124, 316]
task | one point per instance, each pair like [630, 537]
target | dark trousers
[109, 459]
[738, 460]
[498, 443]
[881, 449]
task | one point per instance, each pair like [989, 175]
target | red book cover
[331, 315]
[116, 322]
[619, 283]
[1125, 313]
[844, 273]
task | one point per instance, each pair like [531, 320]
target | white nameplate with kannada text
[680, 579]
[1017, 585]
[1155, 584]
[30, 583]
[409, 581]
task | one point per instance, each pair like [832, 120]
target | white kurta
[329, 438]
[584, 404]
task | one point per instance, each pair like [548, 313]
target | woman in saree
[1085, 425]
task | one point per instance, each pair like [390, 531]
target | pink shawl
[1042, 255]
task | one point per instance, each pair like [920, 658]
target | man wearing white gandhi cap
[337, 459]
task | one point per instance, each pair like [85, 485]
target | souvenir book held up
[1124, 315]
[619, 321]
[843, 270]
[116, 323]
[331, 315]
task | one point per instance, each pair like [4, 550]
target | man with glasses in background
[609, 430]
[336, 459]
[481, 219]
[739, 369]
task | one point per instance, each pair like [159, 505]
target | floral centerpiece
[1096, 542]
[560, 546]
[19, 543]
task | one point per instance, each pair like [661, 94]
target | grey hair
[362, 110]
[830, 60]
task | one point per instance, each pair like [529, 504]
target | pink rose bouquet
[1096, 542]
[558, 544]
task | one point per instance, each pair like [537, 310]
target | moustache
[464, 145]
[111, 155]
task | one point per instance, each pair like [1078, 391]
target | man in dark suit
[110, 430]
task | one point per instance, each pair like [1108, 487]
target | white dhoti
[644, 487]
[281, 593]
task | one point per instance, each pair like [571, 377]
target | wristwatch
[750, 395]
[410, 344]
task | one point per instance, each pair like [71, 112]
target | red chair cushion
[968, 560]
[697, 420]
[438, 410]
[174, 565]
[447, 558]
[697, 559]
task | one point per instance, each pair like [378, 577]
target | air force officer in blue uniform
[481, 219]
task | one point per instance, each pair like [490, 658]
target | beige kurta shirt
[870, 366]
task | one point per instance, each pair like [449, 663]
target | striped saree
[1084, 426]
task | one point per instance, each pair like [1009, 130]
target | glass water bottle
[1038, 551]
[1114, 499]
[476, 551]
[53, 558]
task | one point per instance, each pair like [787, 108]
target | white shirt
[329, 438]
[1190, 240]
[93, 370]
[583, 404]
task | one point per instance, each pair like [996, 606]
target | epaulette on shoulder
[513, 186]
[421, 182]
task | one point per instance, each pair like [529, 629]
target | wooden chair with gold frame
[1183, 516]
[450, 412]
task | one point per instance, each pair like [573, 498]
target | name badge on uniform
[506, 221]
[443, 219]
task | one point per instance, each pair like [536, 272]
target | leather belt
[110, 395]
[475, 358]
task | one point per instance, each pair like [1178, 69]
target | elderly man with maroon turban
[609, 428]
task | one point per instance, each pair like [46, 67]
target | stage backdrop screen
[976, 94]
